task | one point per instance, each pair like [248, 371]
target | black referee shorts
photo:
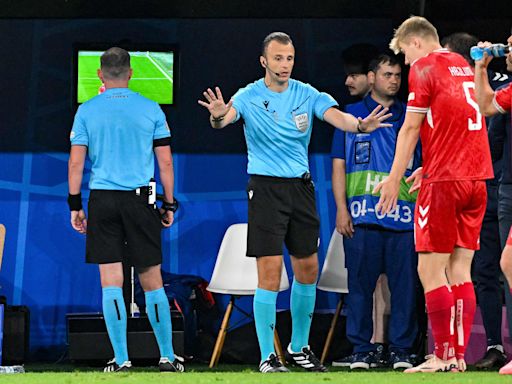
[281, 210]
[122, 227]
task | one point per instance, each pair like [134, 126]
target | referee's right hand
[167, 218]
[215, 103]
[79, 221]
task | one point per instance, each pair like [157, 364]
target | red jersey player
[491, 103]
[451, 202]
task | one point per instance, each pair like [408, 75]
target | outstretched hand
[375, 119]
[215, 103]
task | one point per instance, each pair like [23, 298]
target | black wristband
[173, 207]
[75, 202]
[218, 119]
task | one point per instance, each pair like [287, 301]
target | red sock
[441, 311]
[465, 307]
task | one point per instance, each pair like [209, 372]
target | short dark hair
[280, 37]
[357, 57]
[461, 43]
[383, 58]
[115, 63]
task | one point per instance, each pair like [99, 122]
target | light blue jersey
[278, 126]
[118, 127]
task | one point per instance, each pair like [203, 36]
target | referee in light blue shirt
[278, 115]
[121, 131]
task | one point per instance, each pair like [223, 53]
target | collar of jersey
[118, 90]
[270, 92]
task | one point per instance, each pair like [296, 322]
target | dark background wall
[219, 45]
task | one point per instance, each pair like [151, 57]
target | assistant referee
[121, 131]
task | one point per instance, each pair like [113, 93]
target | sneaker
[492, 358]
[167, 365]
[363, 360]
[272, 365]
[305, 359]
[507, 369]
[112, 366]
[379, 357]
[344, 361]
[400, 360]
[434, 364]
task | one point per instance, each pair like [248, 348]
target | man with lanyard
[375, 243]
[491, 103]
[121, 131]
[278, 113]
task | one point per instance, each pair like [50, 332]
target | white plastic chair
[334, 278]
[236, 274]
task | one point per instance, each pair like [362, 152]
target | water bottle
[11, 369]
[495, 50]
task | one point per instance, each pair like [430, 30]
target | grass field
[200, 374]
[152, 75]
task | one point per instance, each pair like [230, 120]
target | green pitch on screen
[152, 75]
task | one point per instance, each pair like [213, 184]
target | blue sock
[265, 319]
[302, 306]
[114, 312]
[159, 313]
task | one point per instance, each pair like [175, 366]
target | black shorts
[122, 227]
[281, 210]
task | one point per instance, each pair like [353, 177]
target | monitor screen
[153, 75]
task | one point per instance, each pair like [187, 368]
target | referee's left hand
[375, 120]
[79, 221]
[167, 218]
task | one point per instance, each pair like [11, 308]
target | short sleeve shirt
[453, 134]
[278, 126]
[118, 128]
[503, 99]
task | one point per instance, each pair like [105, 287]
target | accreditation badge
[301, 121]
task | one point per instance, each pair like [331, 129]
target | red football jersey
[503, 99]
[453, 134]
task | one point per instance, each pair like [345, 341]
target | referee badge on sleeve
[301, 121]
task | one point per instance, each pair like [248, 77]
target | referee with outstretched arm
[278, 114]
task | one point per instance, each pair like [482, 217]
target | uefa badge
[301, 121]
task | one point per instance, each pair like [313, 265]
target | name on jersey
[461, 71]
